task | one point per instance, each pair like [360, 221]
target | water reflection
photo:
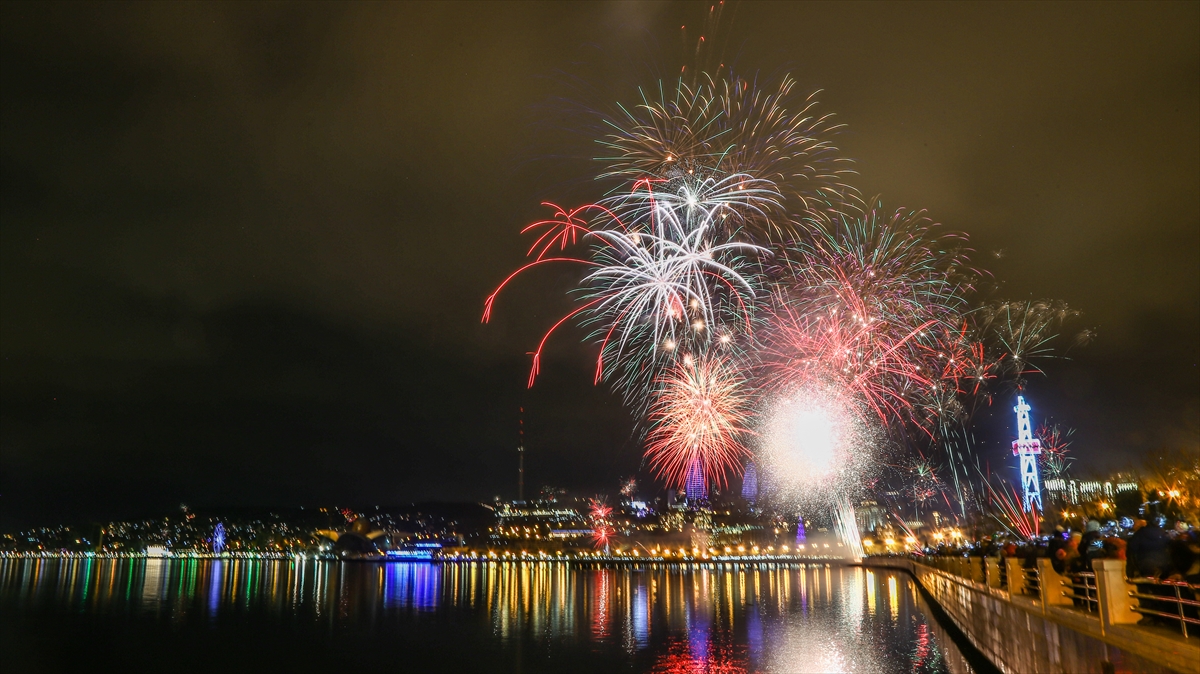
[715, 618]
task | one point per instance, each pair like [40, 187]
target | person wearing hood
[1090, 546]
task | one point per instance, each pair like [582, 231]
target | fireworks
[699, 415]
[1007, 511]
[923, 481]
[1053, 459]
[1023, 332]
[629, 487]
[735, 285]
[652, 298]
[871, 307]
[651, 287]
[598, 513]
[813, 445]
[721, 126]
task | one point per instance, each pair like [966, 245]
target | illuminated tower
[521, 459]
[750, 483]
[1027, 447]
[694, 483]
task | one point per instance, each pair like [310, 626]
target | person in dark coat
[1057, 541]
[1090, 547]
[1146, 556]
[1146, 553]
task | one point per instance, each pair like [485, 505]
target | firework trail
[846, 523]
[1007, 510]
[699, 416]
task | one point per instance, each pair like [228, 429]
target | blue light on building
[750, 483]
[694, 483]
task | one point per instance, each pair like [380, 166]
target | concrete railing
[1037, 619]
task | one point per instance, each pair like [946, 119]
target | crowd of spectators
[1153, 553]
[1149, 549]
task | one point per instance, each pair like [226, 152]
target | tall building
[1027, 447]
[750, 483]
[694, 483]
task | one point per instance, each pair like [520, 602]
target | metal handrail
[1033, 581]
[1179, 600]
[1089, 599]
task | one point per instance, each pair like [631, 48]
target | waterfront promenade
[1035, 619]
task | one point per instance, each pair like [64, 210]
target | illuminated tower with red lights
[1027, 447]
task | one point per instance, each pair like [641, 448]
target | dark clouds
[244, 247]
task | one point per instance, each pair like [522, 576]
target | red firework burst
[699, 414]
[871, 313]
[599, 512]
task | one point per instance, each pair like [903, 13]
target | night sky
[244, 248]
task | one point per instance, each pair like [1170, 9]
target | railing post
[975, 569]
[1051, 584]
[1016, 575]
[992, 564]
[1115, 605]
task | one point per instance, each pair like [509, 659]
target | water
[248, 615]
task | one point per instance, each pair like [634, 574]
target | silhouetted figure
[1090, 546]
[1147, 557]
[1146, 553]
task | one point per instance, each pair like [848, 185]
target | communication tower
[521, 458]
[1027, 447]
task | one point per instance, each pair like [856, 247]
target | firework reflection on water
[479, 616]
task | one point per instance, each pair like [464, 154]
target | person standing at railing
[1066, 557]
[1114, 548]
[1033, 551]
[1090, 546]
[1147, 552]
[1184, 552]
[1147, 557]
